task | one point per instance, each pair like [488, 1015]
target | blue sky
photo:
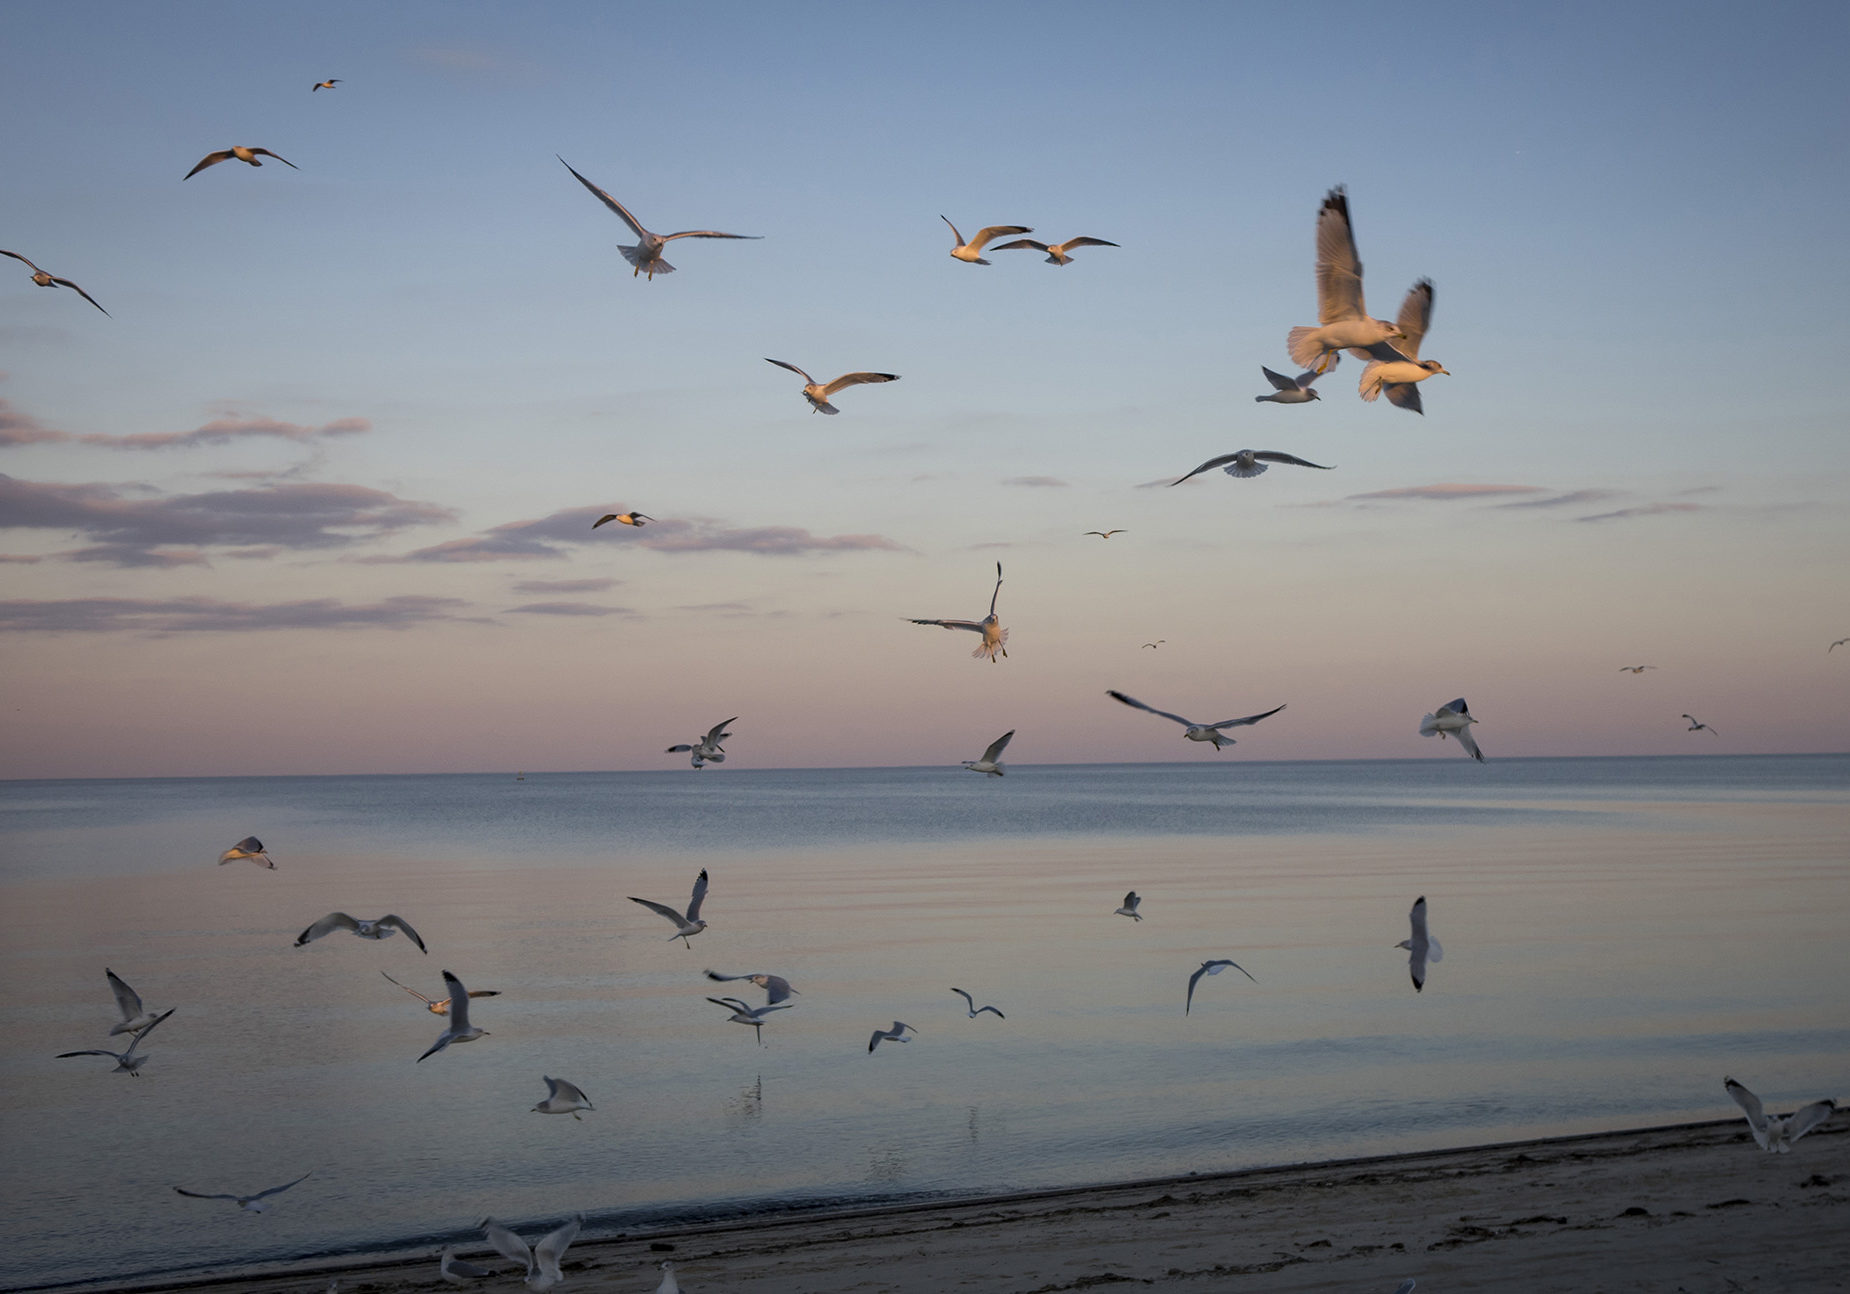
[248, 493]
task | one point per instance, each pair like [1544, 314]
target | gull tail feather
[1304, 349]
[1370, 386]
[1429, 726]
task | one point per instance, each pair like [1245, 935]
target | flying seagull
[1453, 720]
[1158, 643]
[458, 1271]
[972, 251]
[378, 928]
[459, 1030]
[1776, 1135]
[249, 1203]
[1397, 366]
[563, 1098]
[248, 849]
[1834, 646]
[127, 1062]
[708, 749]
[1696, 725]
[994, 635]
[1056, 252]
[1249, 462]
[1196, 731]
[686, 926]
[243, 154]
[991, 762]
[744, 1013]
[1131, 901]
[135, 1018]
[896, 1034]
[624, 519]
[1344, 320]
[776, 987]
[542, 1261]
[1421, 947]
[1214, 967]
[442, 1007]
[1289, 390]
[1104, 534]
[818, 393]
[1635, 669]
[45, 280]
[976, 1010]
[646, 255]
[328, 84]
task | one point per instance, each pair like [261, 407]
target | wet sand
[1695, 1207]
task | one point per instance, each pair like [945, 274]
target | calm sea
[1619, 934]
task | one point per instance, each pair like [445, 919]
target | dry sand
[1691, 1208]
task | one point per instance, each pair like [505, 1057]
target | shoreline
[1694, 1205]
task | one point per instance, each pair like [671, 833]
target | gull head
[1434, 366]
[1312, 393]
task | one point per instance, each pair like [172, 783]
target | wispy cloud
[20, 429]
[130, 555]
[1574, 498]
[563, 586]
[1444, 492]
[17, 428]
[25, 559]
[1645, 510]
[202, 615]
[569, 609]
[1036, 481]
[550, 536]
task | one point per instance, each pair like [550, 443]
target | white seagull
[818, 393]
[459, 1030]
[563, 1098]
[442, 1007]
[135, 1018]
[1289, 390]
[972, 251]
[1696, 725]
[328, 84]
[1104, 534]
[896, 1034]
[974, 1009]
[45, 280]
[1210, 732]
[708, 749]
[1776, 1135]
[776, 987]
[744, 1013]
[1344, 320]
[378, 928]
[1056, 252]
[243, 154]
[1453, 720]
[1129, 909]
[646, 255]
[991, 762]
[1421, 947]
[1214, 967]
[249, 849]
[1249, 462]
[541, 1261]
[686, 925]
[669, 1285]
[1397, 366]
[249, 1203]
[638, 519]
[994, 635]
[458, 1271]
[127, 1062]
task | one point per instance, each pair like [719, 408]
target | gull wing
[79, 291]
[607, 517]
[1240, 723]
[451, 1265]
[1086, 242]
[331, 922]
[994, 231]
[1277, 456]
[700, 896]
[278, 1190]
[997, 746]
[1415, 318]
[954, 234]
[135, 1041]
[1404, 395]
[1279, 383]
[1339, 267]
[128, 1001]
[551, 1249]
[414, 993]
[1132, 899]
[116, 1056]
[966, 997]
[1135, 704]
[459, 1003]
[1211, 463]
[717, 733]
[952, 624]
[675, 750]
[705, 233]
[1756, 1117]
[608, 201]
[210, 159]
[856, 379]
[506, 1243]
[193, 1195]
[996, 592]
[391, 920]
[1022, 245]
[1189, 1001]
[792, 367]
[1469, 742]
[662, 908]
[1805, 1118]
[36, 270]
[562, 1087]
[278, 156]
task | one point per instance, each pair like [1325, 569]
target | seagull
[45, 280]
[1158, 643]
[896, 1034]
[328, 84]
[1196, 731]
[563, 1098]
[972, 251]
[1775, 1135]
[708, 749]
[127, 1062]
[991, 762]
[685, 926]
[1453, 720]
[243, 154]
[1214, 967]
[976, 1010]
[1344, 319]
[1421, 947]
[1289, 390]
[818, 394]
[1249, 462]
[542, 1261]
[1056, 252]
[994, 635]
[745, 1013]
[624, 518]
[1834, 646]
[459, 1030]
[1406, 1286]
[1397, 366]
[249, 1203]
[436, 1007]
[646, 255]
[378, 928]
[458, 1271]
[669, 1285]
[1129, 909]
[1104, 534]
[776, 987]
[135, 1019]
[1696, 725]
[1635, 669]
[249, 848]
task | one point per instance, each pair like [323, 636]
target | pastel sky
[317, 496]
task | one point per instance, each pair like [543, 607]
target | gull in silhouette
[1343, 319]
[249, 1203]
[459, 1030]
[442, 1007]
[686, 925]
[744, 1013]
[896, 1034]
[994, 635]
[1421, 947]
[776, 987]
[243, 154]
[541, 1261]
[1696, 725]
[646, 255]
[378, 928]
[818, 393]
[1129, 909]
[1289, 390]
[458, 1271]
[127, 1062]
[249, 849]
[1214, 967]
[1397, 366]
[708, 749]
[1056, 252]
[1453, 720]
[45, 280]
[328, 84]
[972, 251]
[1104, 534]
[135, 1017]
[1776, 1135]
[974, 1009]
[1209, 732]
[624, 519]
[991, 762]
[1635, 669]
[1249, 462]
[1158, 643]
[563, 1098]
[1834, 646]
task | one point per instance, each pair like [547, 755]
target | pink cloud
[1645, 510]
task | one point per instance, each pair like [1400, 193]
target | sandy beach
[1695, 1207]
